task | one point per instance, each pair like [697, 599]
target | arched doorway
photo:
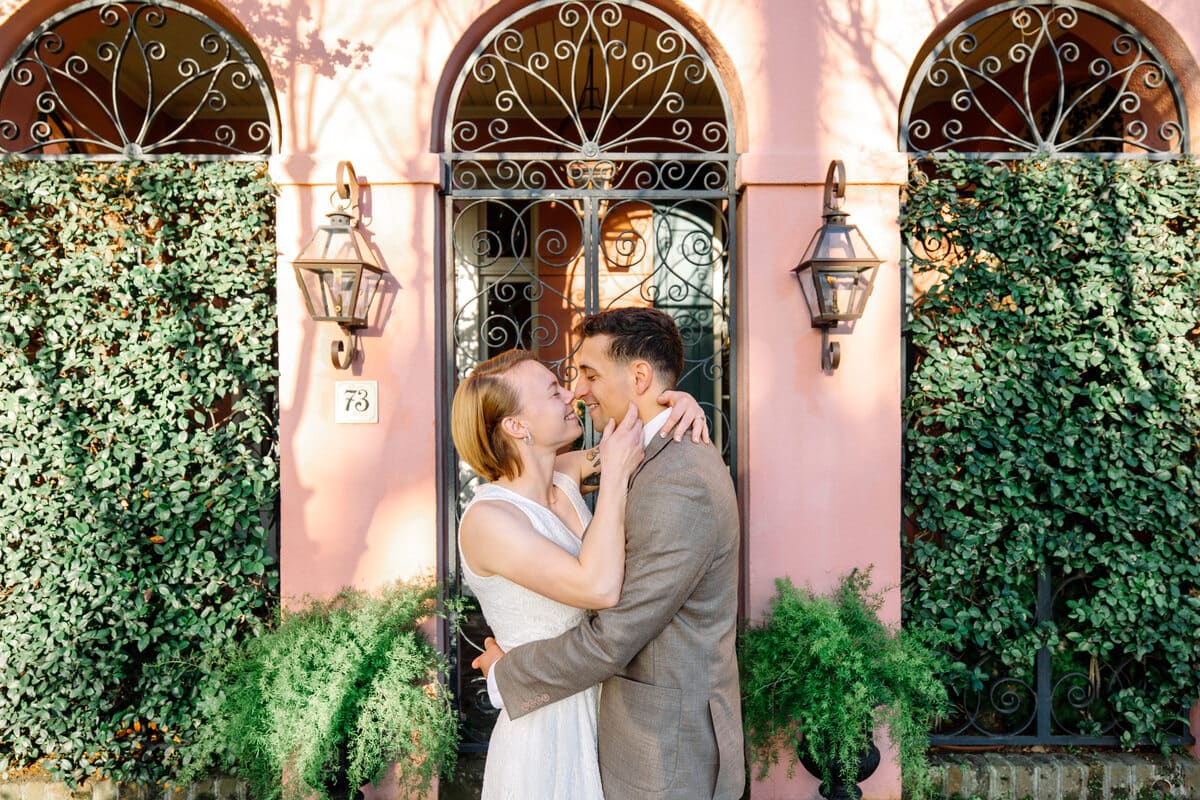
[588, 163]
[153, 281]
[1065, 81]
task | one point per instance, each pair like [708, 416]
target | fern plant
[821, 671]
[328, 699]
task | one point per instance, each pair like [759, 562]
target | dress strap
[571, 489]
[542, 519]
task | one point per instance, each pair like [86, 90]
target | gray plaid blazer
[670, 709]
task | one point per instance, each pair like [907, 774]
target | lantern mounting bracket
[835, 188]
[345, 194]
[342, 351]
[831, 352]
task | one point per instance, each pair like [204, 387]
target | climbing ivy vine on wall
[138, 466]
[1053, 423]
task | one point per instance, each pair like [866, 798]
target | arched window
[588, 163]
[1061, 77]
[134, 79]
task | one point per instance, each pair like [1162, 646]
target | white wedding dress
[550, 753]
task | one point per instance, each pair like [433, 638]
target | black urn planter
[868, 762]
[337, 783]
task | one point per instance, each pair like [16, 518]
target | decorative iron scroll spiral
[995, 709]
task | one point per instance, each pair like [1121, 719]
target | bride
[536, 558]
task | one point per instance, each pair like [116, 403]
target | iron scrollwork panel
[515, 261]
[594, 78]
[1064, 695]
[685, 246]
[616, 175]
[514, 266]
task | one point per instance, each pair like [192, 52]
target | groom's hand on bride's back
[490, 655]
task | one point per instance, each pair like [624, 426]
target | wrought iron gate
[589, 164]
[1022, 78]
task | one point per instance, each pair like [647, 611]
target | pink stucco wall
[812, 80]
[360, 500]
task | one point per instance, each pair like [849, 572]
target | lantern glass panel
[370, 281]
[809, 290]
[835, 293]
[835, 242]
[329, 292]
[365, 254]
[843, 292]
[338, 241]
[340, 286]
[310, 283]
[330, 243]
[340, 245]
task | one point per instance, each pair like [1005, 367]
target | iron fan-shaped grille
[134, 79]
[1051, 77]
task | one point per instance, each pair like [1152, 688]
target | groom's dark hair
[639, 334]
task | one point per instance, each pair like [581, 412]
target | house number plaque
[356, 402]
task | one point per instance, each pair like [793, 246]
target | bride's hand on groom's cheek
[490, 655]
[621, 445]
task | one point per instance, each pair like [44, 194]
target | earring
[528, 438]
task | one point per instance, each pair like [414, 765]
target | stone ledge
[1063, 776]
[216, 789]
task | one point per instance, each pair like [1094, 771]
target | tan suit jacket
[670, 709]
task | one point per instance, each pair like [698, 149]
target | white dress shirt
[654, 426]
[648, 430]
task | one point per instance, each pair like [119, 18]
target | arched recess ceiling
[134, 79]
[1044, 77]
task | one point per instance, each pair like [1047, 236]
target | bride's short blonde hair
[481, 402]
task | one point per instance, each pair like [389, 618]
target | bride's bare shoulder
[492, 518]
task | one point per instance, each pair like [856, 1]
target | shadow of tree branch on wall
[287, 33]
[862, 31]
[289, 36]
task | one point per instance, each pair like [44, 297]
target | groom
[670, 715]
